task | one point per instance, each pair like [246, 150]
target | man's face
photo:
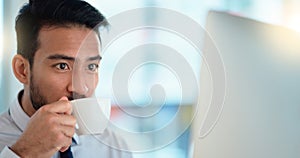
[66, 64]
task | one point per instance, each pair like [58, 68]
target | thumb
[64, 98]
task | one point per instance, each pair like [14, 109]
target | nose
[78, 84]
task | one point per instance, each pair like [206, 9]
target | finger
[67, 120]
[63, 143]
[63, 149]
[66, 146]
[68, 131]
[69, 112]
[61, 107]
[64, 98]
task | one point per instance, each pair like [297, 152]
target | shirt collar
[17, 113]
[21, 118]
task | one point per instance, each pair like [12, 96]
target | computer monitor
[261, 113]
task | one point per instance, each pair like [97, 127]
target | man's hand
[50, 129]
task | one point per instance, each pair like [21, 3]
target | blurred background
[285, 13]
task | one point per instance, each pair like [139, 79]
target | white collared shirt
[14, 121]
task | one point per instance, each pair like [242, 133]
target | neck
[25, 102]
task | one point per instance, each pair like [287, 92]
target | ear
[21, 68]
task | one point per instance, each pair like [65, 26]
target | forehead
[70, 41]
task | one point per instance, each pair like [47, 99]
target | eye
[62, 66]
[93, 67]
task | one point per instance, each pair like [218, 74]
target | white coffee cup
[92, 115]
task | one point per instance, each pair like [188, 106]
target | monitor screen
[261, 111]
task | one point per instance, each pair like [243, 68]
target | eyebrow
[64, 57]
[98, 57]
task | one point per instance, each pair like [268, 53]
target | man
[57, 61]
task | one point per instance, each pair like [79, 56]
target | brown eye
[62, 66]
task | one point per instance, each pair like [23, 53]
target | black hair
[39, 13]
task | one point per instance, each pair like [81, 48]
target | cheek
[92, 82]
[96, 81]
[53, 84]
[60, 83]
